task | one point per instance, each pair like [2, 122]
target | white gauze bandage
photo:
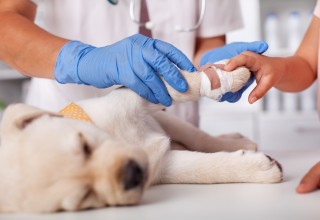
[226, 81]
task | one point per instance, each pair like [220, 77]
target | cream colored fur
[49, 163]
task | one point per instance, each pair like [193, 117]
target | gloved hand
[229, 51]
[136, 62]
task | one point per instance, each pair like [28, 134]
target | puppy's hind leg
[195, 139]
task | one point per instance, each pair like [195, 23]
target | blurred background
[279, 120]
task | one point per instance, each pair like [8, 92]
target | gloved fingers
[234, 97]
[142, 89]
[144, 72]
[229, 97]
[162, 65]
[215, 55]
[204, 60]
[174, 55]
[230, 50]
[137, 39]
[155, 84]
[256, 46]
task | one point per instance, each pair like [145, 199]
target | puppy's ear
[18, 116]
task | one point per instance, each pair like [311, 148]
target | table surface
[217, 201]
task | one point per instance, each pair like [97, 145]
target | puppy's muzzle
[133, 175]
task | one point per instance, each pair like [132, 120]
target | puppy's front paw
[261, 168]
[215, 81]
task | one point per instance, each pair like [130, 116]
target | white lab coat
[99, 23]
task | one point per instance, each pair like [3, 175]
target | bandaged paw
[215, 82]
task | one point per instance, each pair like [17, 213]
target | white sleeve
[40, 13]
[220, 17]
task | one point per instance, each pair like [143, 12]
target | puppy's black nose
[133, 175]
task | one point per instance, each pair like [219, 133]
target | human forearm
[25, 46]
[301, 69]
[297, 74]
[205, 44]
[289, 74]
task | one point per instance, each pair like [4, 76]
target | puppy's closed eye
[86, 148]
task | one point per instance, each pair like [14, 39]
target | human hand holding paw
[229, 51]
[216, 82]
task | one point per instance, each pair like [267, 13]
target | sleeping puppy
[52, 163]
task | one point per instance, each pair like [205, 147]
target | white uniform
[99, 23]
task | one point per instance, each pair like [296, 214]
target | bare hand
[264, 68]
[311, 181]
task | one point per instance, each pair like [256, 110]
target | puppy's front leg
[211, 81]
[223, 167]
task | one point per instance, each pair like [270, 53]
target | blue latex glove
[229, 51]
[136, 62]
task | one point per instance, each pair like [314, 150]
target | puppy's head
[50, 163]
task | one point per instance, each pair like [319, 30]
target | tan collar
[74, 111]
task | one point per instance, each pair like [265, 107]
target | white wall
[251, 16]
